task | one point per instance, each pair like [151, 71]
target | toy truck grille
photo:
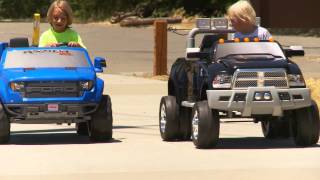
[45, 89]
[245, 78]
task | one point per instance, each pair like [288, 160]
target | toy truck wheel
[82, 128]
[4, 126]
[101, 123]
[205, 125]
[306, 125]
[185, 123]
[168, 118]
[316, 126]
[274, 127]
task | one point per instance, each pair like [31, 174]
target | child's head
[60, 15]
[242, 16]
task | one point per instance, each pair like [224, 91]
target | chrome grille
[245, 84]
[276, 83]
[275, 74]
[245, 78]
[248, 75]
[45, 89]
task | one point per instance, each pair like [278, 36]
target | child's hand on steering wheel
[74, 44]
[69, 44]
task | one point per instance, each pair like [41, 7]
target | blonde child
[60, 18]
[243, 19]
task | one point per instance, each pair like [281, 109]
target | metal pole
[36, 30]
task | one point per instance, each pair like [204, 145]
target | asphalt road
[137, 151]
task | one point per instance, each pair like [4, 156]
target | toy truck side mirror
[3, 46]
[294, 51]
[99, 64]
[195, 54]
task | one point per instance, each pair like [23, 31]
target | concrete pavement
[130, 50]
[137, 151]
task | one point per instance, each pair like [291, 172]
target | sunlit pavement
[137, 151]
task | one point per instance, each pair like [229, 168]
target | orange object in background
[221, 41]
[236, 40]
[256, 39]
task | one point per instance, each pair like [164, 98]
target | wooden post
[160, 48]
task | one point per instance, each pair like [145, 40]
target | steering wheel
[62, 44]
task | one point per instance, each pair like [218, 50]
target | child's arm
[78, 43]
[42, 41]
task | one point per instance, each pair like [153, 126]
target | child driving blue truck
[60, 18]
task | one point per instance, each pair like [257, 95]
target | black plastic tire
[185, 123]
[316, 125]
[101, 123]
[306, 126]
[4, 127]
[168, 119]
[82, 129]
[274, 127]
[205, 126]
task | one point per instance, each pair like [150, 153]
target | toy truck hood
[47, 74]
[233, 64]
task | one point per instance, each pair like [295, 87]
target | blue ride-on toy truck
[52, 85]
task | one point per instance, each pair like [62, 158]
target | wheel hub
[195, 126]
[163, 119]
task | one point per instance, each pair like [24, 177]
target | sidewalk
[310, 44]
[134, 95]
[130, 50]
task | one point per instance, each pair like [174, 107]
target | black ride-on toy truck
[237, 78]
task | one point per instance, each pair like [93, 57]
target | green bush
[102, 9]
[15, 9]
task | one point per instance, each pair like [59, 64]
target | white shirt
[260, 32]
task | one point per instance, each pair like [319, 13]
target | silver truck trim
[250, 107]
[273, 75]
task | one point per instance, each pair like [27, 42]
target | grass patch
[314, 85]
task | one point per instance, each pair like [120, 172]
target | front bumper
[50, 112]
[230, 100]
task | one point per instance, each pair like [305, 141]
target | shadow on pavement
[136, 127]
[44, 131]
[256, 143]
[51, 137]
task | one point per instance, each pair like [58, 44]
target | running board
[187, 104]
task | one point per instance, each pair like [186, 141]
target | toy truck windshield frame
[271, 48]
[43, 58]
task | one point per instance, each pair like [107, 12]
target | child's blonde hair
[242, 10]
[64, 6]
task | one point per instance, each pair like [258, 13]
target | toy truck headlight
[17, 86]
[296, 80]
[222, 81]
[86, 85]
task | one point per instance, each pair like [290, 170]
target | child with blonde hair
[243, 19]
[60, 18]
